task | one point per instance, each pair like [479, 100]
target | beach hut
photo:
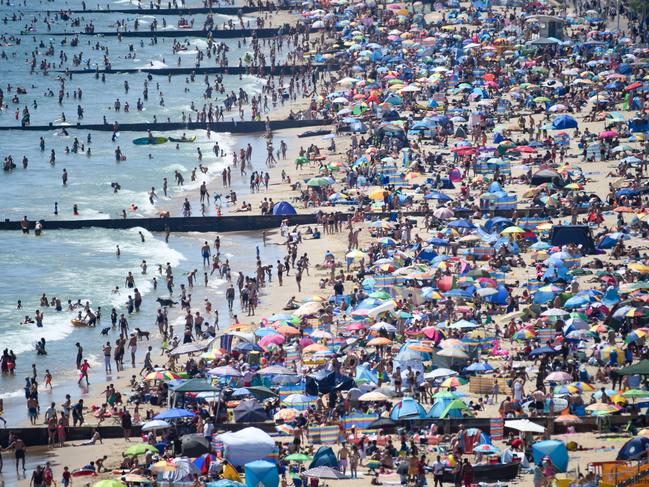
[261, 472]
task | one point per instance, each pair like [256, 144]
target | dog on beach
[105, 331]
[168, 303]
[142, 334]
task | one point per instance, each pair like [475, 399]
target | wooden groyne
[276, 70]
[231, 127]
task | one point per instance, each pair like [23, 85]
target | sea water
[83, 264]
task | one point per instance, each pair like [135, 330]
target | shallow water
[83, 264]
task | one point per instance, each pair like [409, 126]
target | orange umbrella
[379, 341]
[239, 327]
[568, 419]
[315, 347]
[417, 347]
[287, 330]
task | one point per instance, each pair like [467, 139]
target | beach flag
[497, 426]
[359, 421]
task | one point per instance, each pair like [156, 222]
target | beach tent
[284, 208]
[250, 411]
[407, 408]
[261, 472]
[634, 449]
[563, 122]
[365, 374]
[325, 381]
[246, 445]
[324, 457]
[573, 234]
[440, 406]
[554, 449]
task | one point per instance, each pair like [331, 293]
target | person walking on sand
[107, 353]
[19, 448]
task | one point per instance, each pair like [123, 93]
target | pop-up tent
[554, 449]
[573, 234]
[324, 457]
[324, 381]
[407, 408]
[261, 472]
[634, 449]
[284, 208]
[246, 445]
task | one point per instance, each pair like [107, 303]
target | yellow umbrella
[641, 268]
[512, 230]
[377, 194]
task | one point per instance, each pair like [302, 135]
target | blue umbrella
[479, 367]
[461, 223]
[174, 413]
[542, 351]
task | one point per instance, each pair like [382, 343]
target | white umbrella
[524, 425]
[155, 424]
[438, 373]
[555, 312]
[443, 213]
[382, 325]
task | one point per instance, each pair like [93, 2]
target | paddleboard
[187, 139]
[153, 141]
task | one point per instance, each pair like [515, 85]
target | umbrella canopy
[174, 413]
[139, 449]
[194, 445]
[324, 473]
[155, 424]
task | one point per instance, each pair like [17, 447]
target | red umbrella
[633, 86]
[522, 148]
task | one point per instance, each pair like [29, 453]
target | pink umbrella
[608, 134]
[357, 326]
[274, 339]
[305, 342]
[558, 377]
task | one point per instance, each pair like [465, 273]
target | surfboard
[153, 141]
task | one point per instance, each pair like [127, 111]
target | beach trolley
[618, 472]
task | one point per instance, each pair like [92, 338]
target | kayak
[153, 141]
[186, 139]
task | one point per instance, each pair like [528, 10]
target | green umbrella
[298, 457]
[444, 395]
[635, 393]
[109, 483]
[380, 295]
[301, 160]
[318, 182]
[139, 449]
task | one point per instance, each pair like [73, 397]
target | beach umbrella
[174, 413]
[525, 426]
[583, 386]
[318, 182]
[601, 407]
[568, 419]
[453, 382]
[635, 393]
[553, 312]
[287, 414]
[155, 424]
[379, 341]
[109, 483]
[163, 375]
[438, 373]
[299, 401]
[453, 353]
[373, 396]
[228, 370]
[139, 449]
[479, 367]
[443, 213]
[324, 473]
[298, 457]
[485, 448]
